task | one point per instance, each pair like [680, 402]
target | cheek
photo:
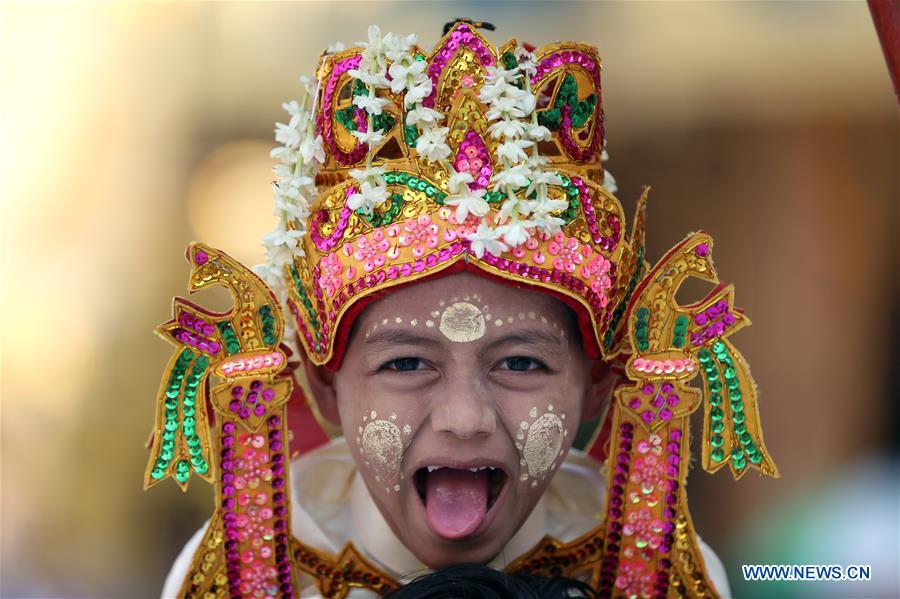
[544, 434]
[380, 439]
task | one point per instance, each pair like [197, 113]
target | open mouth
[458, 500]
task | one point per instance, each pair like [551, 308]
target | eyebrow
[393, 337]
[529, 336]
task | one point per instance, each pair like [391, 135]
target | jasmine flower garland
[509, 105]
[299, 158]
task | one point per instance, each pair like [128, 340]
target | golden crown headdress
[401, 165]
[470, 154]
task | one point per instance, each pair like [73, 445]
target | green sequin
[381, 219]
[609, 335]
[579, 111]
[717, 455]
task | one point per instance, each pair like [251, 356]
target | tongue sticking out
[456, 501]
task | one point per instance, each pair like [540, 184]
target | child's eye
[521, 364]
[403, 364]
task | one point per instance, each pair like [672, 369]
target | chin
[437, 553]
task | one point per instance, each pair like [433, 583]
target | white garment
[331, 506]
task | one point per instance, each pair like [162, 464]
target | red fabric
[886, 16]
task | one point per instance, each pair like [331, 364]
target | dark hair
[477, 581]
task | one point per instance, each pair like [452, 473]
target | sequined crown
[469, 156]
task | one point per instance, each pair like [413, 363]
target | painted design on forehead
[540, 444]
[382, 447]
[462, 320]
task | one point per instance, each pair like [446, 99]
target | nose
[464, 412]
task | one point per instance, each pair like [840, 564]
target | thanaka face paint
[440, 375]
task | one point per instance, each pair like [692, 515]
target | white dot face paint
[462, 322]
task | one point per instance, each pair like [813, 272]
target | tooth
[474, 469]
[432, 468]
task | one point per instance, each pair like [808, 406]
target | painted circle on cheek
[382, 447]
[462, 322]
[545, 437]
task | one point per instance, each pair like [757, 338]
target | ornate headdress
[400, 165]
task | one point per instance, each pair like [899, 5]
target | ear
[321, 383]
[598, 396]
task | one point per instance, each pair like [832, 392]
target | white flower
[291, 208]
[495, 74]
[514, 205]
[550, 225]
[486, 239]
[373, 53]
[307, 83]
[431, 144]
[540, 180]
[514, 177]
[506, 107]
[285, 155]
[507, 129]
[376, 79]
[396, 46]
[609, 182]
[336, 47]
[368, 197]
[536, 162]
[406, 72]
[527, 61]
[459, 182]
[311, 149]
[373, 138]
[422, 115]
[418, 92]
[471, 203]
[515, 232]
[371, 104]
[292, 107]
[465, 200]
[374, 175]
[288, 135]
[537, 132]
[513, 150]
[281, 245]
[491, 91]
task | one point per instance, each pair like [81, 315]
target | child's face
[461, 373]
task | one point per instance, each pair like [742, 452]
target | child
[465, 297]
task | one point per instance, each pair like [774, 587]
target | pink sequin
[635, 578]
[419, 233]
[330, 277]
[567, 252]
[473, 158]
[371, 251]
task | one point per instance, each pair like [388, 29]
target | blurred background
[130, 129]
